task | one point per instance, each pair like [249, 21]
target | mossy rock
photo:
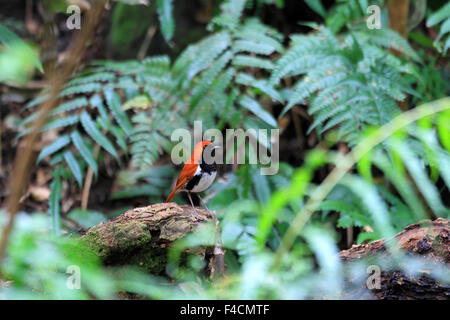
[142, 236]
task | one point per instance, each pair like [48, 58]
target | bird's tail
[172, 195]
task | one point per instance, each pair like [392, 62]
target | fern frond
[441, 15]
[165, 8]
[199, 56]
[81, 88]
[253, 106]
[91, 129]
[53, 147]
[74, 167]
[231, 11]
[208, 78]
[250, 61]
[350, 83]
[114, 104]
[96, 77]
[84, 150]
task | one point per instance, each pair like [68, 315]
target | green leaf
[231, 11]
[374, 203]
[9, 38]
[60, 122]
[345, 221]
[346, 208]
[443, 128]
[84, 151]
[279, 199]
[114, 104]
[364, 166]
[70, 106]
[439, 15]
[138, 102]
[249, 61]
[416, 169]
[56, 145]
[326, 252]
[74, 167]
[165, 8]
[317, 6]
[262, 188]
[55, 197]
[91, 129]
[253, 105]
[143, 190]
[208, 78]
[120, 137]
[86, 218]
[263, 85]
[127, 24]
[365, 236]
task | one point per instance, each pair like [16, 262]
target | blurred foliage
[441, 17]
[280, 232]
[128, 24]
[17, 58]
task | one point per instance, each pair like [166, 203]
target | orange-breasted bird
[197, 174]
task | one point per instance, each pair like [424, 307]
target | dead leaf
[43, 176]
[39, 193]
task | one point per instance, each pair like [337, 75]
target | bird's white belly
[205, 181]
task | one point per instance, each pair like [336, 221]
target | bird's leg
[204, 204]
[192, 203]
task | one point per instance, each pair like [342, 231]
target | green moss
[150, 259]
[139, 239]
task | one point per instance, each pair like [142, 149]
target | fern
[441, 16]
[91, 110]
[224, 73]
[54, 201]
[349, 82]
[165, 8]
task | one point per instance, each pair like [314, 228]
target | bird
[197, 174]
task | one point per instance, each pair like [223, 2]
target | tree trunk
[398, 15]
[143, 236]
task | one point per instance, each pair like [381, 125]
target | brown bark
[398, 15]
[429, 239]
[398, 21]
[143, 236]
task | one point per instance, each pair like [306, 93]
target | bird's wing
[186, 174]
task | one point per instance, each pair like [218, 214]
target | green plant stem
[345, 163]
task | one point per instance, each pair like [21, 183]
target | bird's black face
[208, 163]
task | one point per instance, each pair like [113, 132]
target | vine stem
[345, 163]
[24, 156]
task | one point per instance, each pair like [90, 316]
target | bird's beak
[217, 147]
